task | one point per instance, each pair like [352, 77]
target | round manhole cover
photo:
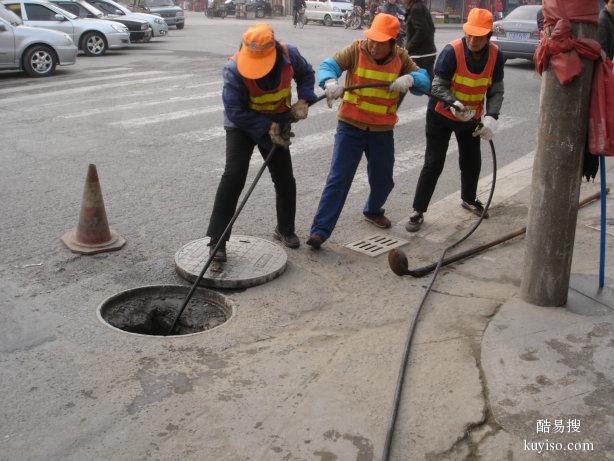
[150, 310]
[251, 261]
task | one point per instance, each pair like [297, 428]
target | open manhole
[150, 310]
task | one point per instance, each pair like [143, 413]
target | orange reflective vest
[278, 99]
[372, 106]
[467, 87]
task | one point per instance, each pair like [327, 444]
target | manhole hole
[376, 244]
[251, 261]
[150, 310]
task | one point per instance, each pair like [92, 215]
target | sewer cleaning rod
[221, 239]
[425, 270]
[414, 318]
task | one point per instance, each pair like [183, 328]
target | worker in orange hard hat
[366, 119]
[467, 72]
[258, 111]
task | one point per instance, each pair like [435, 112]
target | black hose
[414, 319]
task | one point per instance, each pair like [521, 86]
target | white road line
[86, 79]
[202, 135]
[139, 104]
[162, 118]
[92, 88]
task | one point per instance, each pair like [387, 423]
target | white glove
[402, 84]
[461, 112]
[333, 91]
[299, 111]
[488, 128]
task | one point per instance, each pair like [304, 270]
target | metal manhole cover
[251, 261]
[376, 244]
[150, 310]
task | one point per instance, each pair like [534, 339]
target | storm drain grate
[376, 244]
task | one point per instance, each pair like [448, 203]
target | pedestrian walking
[498, 7]
[258, 112]
[420, 34]
[366, 120]
[467, 71]
[606, 28]
[296, 6]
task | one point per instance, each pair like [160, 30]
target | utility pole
[557, 174]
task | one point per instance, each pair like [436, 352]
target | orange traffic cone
[93, 234]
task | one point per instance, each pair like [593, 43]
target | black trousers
[439, 129]
[239, 149]
[427, 63]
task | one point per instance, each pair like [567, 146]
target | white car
[327, 12]
[37, 51]
[159, 28]
[93, 36]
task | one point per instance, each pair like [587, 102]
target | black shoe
[415, 222]
[476, 207]
[290, 240]
[220, 255]
[315, 241]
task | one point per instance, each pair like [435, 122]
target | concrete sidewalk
[306, 369]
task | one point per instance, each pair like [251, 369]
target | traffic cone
[93, 234]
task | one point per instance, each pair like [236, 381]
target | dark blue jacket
[235, 95]
[445, 67]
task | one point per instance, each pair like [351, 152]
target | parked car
[262, 8]
[36, 51]
[93, 36]
[328, 12]
[172, 14]
[157, 24]
[517, 35]
[138, 28]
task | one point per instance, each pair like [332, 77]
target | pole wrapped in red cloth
[563, 52]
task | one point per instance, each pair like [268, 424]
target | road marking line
[160, 118]
[36, 86]
[139, 104]
[85, 89]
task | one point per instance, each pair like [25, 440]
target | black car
[138, 28]
[261, 7]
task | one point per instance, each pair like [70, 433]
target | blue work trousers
[350, 143]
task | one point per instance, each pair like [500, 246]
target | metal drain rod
[240, 208]
[414, 319]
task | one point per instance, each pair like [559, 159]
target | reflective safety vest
[467, 87]
[276, 100]
[372, 106]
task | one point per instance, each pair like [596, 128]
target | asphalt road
[150, 118]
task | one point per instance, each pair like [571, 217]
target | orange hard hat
[479, 22]
[257, 54]
[383, 28]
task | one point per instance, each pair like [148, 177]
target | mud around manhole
[150, 310]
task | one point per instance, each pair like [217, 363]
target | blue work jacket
[235, 94]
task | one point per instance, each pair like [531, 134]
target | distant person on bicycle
[391, 7]
[420, 34]
[298, 4]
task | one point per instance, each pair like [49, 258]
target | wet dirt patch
[151, 310]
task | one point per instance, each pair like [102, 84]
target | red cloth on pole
[562, 53]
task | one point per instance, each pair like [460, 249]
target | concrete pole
[555, 188]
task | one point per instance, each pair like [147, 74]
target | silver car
[517, 35]
[93, 36]
[37, 51]
[159, 28]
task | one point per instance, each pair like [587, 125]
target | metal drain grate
[376, 244]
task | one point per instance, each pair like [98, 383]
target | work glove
[402, 84]
[299, 111]
[459, 110]
[332, 90]
[280, 136]
[486, 130]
